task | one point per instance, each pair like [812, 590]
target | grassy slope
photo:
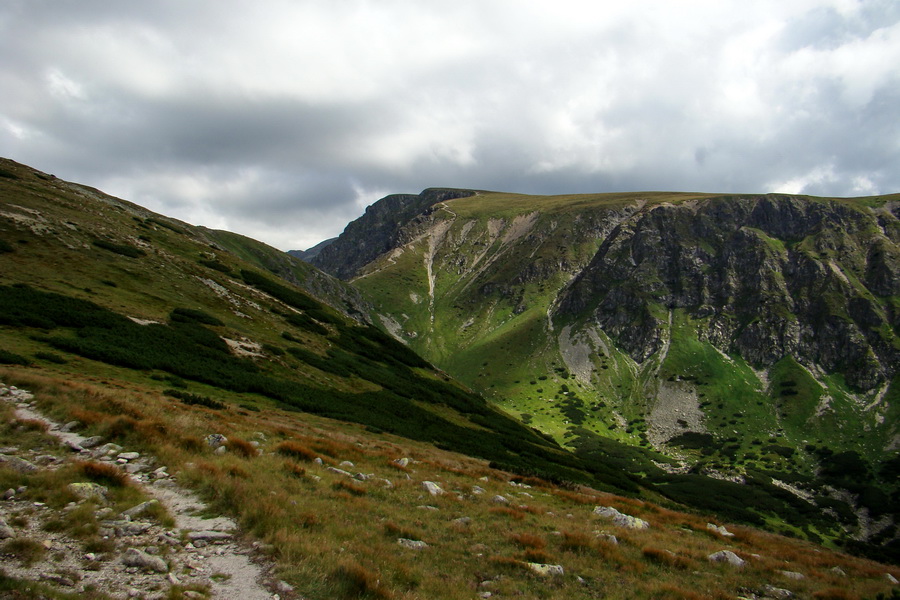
[500, 260]
[332, 537]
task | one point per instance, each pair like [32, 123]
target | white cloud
[278, 118]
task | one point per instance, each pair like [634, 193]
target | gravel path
[202, 552]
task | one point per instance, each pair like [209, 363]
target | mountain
[310, 253]
[750, 338]
[205, 360]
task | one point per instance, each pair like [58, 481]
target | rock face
[377, 231]
[771, 276]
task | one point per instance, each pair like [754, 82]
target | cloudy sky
[283, 119]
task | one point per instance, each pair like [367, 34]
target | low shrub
[241, 447]
[10, 358]
[103, 473]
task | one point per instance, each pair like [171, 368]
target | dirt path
[203, 552]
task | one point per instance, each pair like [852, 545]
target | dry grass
[103, 473]
[336, 538]
[352, 580]
[297, 451]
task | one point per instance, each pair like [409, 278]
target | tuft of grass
[103, 473]
[241, 447]
[351, 488]
[528, 540]
[296, 451]
[352, 580]
[25, 550]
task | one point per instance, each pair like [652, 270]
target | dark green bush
[10, 358]
[216, 266]
[194, 399]
[51, 357]
[191, 315]
[5, 246]
[123, 249]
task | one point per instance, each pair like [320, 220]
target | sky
[283, 119]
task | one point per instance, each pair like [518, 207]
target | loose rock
[727, 556]
[136, 558]
[432, 488]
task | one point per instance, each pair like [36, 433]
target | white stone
[726, 556]
[432, 488]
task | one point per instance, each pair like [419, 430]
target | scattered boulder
[891, 579]
[128, 455]
[792, 575]
[720, 529]
[401, 462]
[412, 544]
[215, 440]
[91, 442]
[621, 519]
[70, 426]
[727, 556]
[498, 499]
[477, 490]
[462, 521]
[9, 494]
[5, 530]
[837, 571]
[136, 558]
[89, 491]
[777, 593]
[546, 570]
[432, 488]
[209, 536]
[347, 464]
[142, 508]
[337, 471]
[20, 465]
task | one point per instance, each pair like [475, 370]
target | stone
[412, 544]
[107, 449]
[792, 575]
[609, 539]
[9, 494]
[777, 593]
[89, 491]
[432, 488]
[402, 462]
[498, 499]
[318, 460]
[141, 509]
[891, 579]
[5, 530]
[463, 521]
[91, 442]
[346, 464]
[136, 558]
[620, 519]
[128, 455]
[546, 570]
[220, 450]
[70, 426]
[209, 536]
[337, 471]
[837, 571]
[726, 556]
[20, 465]
[477, 490]
[720, 529]
[215, 440]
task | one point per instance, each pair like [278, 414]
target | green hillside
[748, 338]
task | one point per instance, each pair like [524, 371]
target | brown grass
[241, 447]
[297, 451]
[577, 541]
[350, 488]
[528, 540]
[393, 530]
[33, 425]
[505, 511]
[103, 473]
[669, 559]
[352, 580]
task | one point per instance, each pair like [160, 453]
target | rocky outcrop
[377, 231]
[766, 276]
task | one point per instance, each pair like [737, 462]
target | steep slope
[110, 285]
[754, 338]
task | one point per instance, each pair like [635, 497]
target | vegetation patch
[123, 249]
